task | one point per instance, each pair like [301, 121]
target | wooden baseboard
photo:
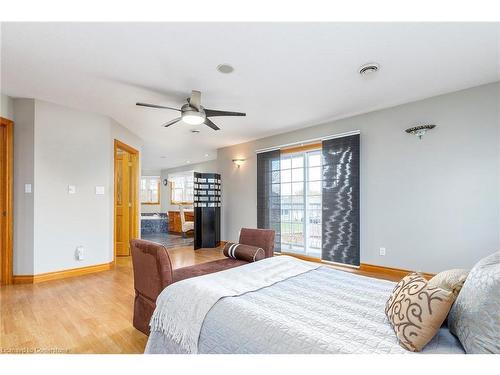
[365, 269]
[22, 279]
[397, 273]
[34, 279]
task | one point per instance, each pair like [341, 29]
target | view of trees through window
[301, 203]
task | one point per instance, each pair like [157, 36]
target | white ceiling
[287, 75]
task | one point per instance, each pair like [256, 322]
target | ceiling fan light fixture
[193, 118]
[193, 113]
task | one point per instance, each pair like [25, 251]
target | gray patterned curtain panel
[340, 216]
[269, 194]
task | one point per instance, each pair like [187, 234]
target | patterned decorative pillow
[243, 252]
[451, 280]
[416, 311]
[475, 316]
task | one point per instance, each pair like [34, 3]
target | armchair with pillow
[153, 270]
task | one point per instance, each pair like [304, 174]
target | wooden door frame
[6, 258]
[136, 178]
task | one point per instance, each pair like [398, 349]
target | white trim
[340, 135]
[313, 140]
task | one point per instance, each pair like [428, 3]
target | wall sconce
[238, 162]
[420, 131]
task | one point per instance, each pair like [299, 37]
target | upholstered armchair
[153, 270]
[186, 226]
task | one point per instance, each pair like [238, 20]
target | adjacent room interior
[334, 186]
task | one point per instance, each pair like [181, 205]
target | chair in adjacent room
[186, 226]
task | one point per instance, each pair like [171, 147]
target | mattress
[321, 311]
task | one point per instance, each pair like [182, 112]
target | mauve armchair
[153, 270]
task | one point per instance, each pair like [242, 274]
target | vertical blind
[340, 200]
[269, 194]
[340, 227]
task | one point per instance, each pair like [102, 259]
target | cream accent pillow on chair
[417, 310]
[451, 280]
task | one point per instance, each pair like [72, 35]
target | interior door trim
[136, 176]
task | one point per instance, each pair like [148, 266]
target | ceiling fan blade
[211, 124]
[213, 113]
[195, 99]
[175, 120]
[156, 106]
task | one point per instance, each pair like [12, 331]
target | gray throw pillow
[475, 316]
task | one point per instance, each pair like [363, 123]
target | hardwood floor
[86, 314]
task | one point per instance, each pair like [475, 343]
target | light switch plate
[71, 189]
[99, 190]
[79, 253]
[27, 188]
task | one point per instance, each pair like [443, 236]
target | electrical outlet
[79, 253]
[382, 251]
[71, 189]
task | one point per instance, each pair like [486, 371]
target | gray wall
[24, 173]
[433, 204]
[210, 166]
[6, 107]
[67, 147]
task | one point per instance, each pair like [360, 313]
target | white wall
[433, 204]
[70, 148]
[6, 107]
[209, 166]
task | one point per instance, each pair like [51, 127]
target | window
[301, 202]
[150, 190]
[181, 187]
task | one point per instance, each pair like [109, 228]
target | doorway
[6, 180]
[126, 206]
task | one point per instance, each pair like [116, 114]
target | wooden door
[132, 183]
[3, 209]
[6, 182]
[122, 203]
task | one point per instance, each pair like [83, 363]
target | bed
[321, 310]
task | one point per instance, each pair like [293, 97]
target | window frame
[303, 151]
[149, 178]
[172, 188]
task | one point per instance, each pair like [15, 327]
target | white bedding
[320, 311]
[181, 307]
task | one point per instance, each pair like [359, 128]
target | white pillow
[475, 316]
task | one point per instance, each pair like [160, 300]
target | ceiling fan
[193, 112]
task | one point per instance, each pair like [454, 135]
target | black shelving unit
[207, 204]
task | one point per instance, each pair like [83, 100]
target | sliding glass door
[301, 203]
